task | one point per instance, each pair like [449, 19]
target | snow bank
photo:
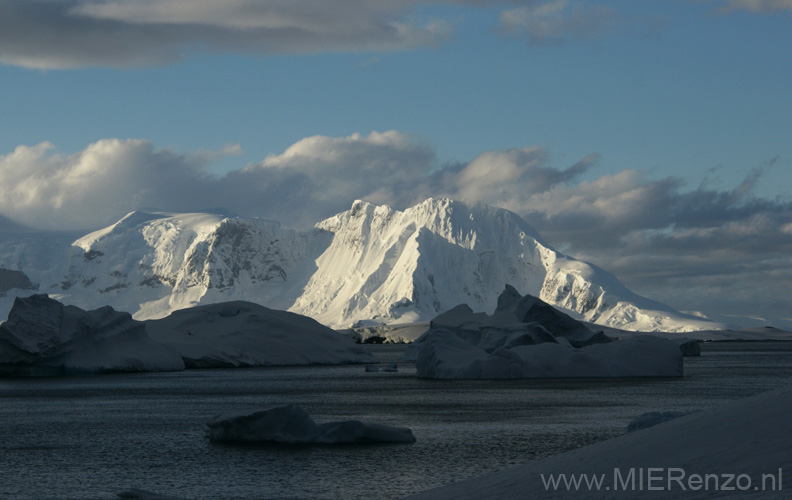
[747, 437]
[44, 337]
[293, 425]
[527, 338]
[239, 333]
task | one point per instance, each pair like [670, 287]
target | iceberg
[390, 367]
[239, 334]
[42, 337]
[293, 425]
[138, 494]
[528, 338]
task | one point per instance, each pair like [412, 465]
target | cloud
[757, 6]
[63, 34]
[50, 34]
[558, 21]
[110, 177]
[319, 176]
[313, 179]
[697, 249]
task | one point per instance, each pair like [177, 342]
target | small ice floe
[293, 425]
[391, 367]
[652, 418]
[139, 494]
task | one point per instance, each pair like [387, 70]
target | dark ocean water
[91, 437]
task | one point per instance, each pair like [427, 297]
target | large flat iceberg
[238, 333]
[293, 425]
[44, 337]
[527, 338]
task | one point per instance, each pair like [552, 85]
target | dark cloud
[60, 34]
[723, 252]
[49, 34]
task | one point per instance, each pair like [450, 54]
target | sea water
[90, 437]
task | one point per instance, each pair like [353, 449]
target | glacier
[368, 265]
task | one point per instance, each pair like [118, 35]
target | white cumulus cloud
[41, 188]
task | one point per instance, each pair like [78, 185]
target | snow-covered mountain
[368, 264]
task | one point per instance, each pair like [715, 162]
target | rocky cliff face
[368, 264]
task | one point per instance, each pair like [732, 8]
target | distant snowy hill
[370, 264]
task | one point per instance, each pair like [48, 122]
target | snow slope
[368, 265]
[747, 437]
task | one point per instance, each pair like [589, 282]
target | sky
[651, 138]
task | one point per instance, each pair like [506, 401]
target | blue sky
[633, 134]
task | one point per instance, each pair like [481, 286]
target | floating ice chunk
[139, 494]
[293, 425]
[390, 367]
[652, 418]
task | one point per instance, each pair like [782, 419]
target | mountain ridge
[369, 264]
